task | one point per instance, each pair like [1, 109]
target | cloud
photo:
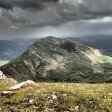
[9, 4]
[35, 14]
[101, 20]
[14, 27]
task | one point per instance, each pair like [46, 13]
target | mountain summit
[54, 59]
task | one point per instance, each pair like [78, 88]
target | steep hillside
[8, 50]
[13, 48]
[52, 59]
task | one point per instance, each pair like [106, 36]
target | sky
[59, 18]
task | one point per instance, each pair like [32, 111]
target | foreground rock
[23, 84]
[18, 86]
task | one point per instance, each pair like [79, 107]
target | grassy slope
[91, 97]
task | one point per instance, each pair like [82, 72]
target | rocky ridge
[54, 59]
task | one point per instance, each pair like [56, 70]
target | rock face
[53, 59]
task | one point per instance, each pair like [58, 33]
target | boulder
[22, 84]
[2, 76]
[18, 86]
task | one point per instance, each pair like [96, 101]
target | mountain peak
[49, 37]
[55, 59]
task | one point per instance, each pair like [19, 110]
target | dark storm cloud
[24, 14]
[9, 4]
[36, 13]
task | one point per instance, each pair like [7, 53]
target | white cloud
[14, 27]
[101, 20]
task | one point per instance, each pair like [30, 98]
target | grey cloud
[32, 14]
[36, 13]
[9, 4]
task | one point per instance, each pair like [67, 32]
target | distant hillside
[54, 59]
[8, 49]
[12, 49]
[101, 42]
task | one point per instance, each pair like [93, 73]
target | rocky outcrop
[19, 86]
[2, 76]
[53, 59]
[5, 79]
[22, 85]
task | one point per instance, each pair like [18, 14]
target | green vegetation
[58, 97]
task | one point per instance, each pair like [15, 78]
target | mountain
[101, 42]
[54, 59]
[10, 49]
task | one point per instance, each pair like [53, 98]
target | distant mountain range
[101, 42]
[11, 49]
[54, 59]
